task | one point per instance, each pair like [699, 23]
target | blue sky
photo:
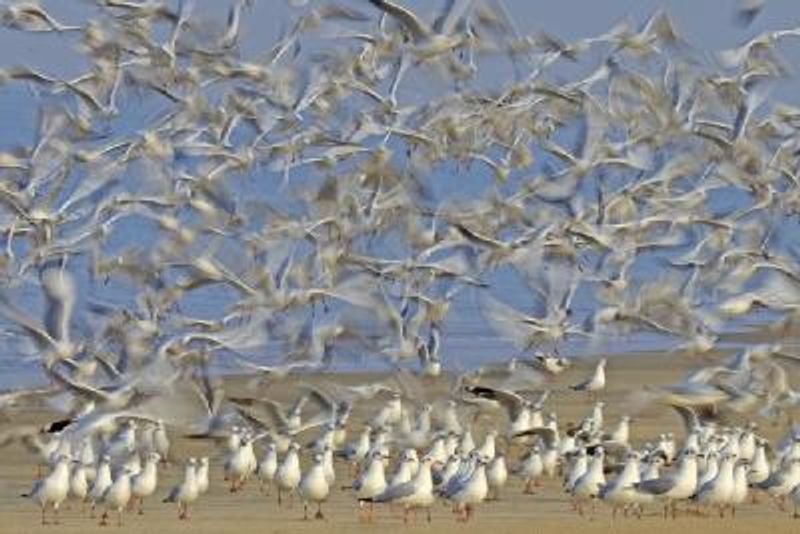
[707, 26]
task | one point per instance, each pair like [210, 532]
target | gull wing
[657, 486]
[547, 435]
[510, 400]
[404, 16]
[396, 492]
[268, 408]
[507, 321]
[450, 16]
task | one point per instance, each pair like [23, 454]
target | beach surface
[546, 511]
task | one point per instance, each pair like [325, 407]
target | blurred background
[708, 27]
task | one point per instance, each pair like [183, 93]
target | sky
[707, 25]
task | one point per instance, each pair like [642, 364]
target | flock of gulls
[335, 195]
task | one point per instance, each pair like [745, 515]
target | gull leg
[319, 512]
[305, 511]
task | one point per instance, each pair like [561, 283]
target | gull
[526, 331]
[161, 442]
[144, 483]
[102, 481]
[390, 413]
[325, 439]
[429, 41]
[357, 451]
[782, 480]
[759, 465]
[588, 486]
[530, 468]
[496, 475]
[35, 439]
[578, 467]
[404, 471]
[420, 434]
[429, 360]
[444, 475]
[438, 450]
[380, 444]
[651, 469]
[466, 443]
[231, 36]
[328, 465]
[488, 448]
[719, 491]
[678, 485]
[117, 496]
[469, 491]
[314, 486]
[30, 17]
[185, 492]
[285, 425]
[414, 494]
[370, 483]
[620, 491]
[620, 435]
[201, 475]
[51, 490]
[267, 467]
[288, 474]
[711, 468]
[740, 485]
[240, 464]
[78, 483]
[276, 372]
[123, 442]
[53, 336]
[447, 418]
[596, 382]
[517, 407]
[747, 11]
[551, 363]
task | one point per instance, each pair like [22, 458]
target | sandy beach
[547, 511]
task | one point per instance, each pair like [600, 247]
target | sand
[547, 511]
